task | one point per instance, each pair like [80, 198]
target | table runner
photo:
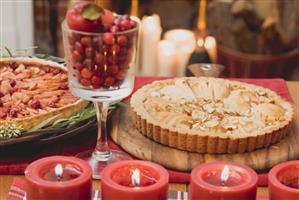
[17, 165]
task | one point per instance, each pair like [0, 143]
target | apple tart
[33, 90]
[210, 115]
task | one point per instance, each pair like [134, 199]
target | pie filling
[31, 89]
[217, 107]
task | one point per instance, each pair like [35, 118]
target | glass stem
[102, 151]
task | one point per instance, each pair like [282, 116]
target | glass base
[97, 163]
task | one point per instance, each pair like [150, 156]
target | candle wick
[223, 183]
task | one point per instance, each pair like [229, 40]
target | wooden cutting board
[124, 133]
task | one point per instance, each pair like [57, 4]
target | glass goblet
[101, 69]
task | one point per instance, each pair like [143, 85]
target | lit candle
[223, 181]
[284, 181]
[167, 58]
[201, 22]
[58, 177]
[150, 37]
[184, 41]
[134, 8]
[130, 180]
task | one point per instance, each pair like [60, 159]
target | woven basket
[244, 65]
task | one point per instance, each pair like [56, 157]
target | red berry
[98, 71]
[52, 105]
[86, 41]
[123, 59]
[71, 38]
[132, 24]
[76, 56]
[13, 113]
[35, 104]
[114, 29]
[86, 73]
[124, 66]
[78, 75]
[78, 66]
[87, 62]
[1, 103]
[108, 38]
[112, 60]
[55, 71]
[97, 41]
[79, 47]
[47, 69]
[1, 94]
[105, 49]
[3, 114]
[122, 40]
[115, 49]
[107, 18]
[120, 75]
[12, 83]
[113, 69]
[124, 17]
[89, 52]
[124, 24]
[96, 81]
[99, 58]
[14, 65]
[63, 86]
[109, 81]
[85, 82]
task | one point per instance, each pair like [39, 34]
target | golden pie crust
[210, 115]
[33, 90]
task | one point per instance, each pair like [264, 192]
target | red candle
[131, 180]
[284, 181]
[58, 177]
[223, 181]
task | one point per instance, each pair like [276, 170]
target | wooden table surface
[6, 180]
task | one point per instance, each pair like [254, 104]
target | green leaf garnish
[45, 57]
[92, 12]
[8, 51]
[43, 123]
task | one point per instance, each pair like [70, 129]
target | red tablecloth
[16, 162]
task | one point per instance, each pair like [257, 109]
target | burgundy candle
[223, 181]
[284, 181]
[58, 177]
[131, 180]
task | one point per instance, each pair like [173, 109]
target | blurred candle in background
[150, 37]
[211, 48]
[167, 58]
[184, 43]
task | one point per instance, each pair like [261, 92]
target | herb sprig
[10, 130]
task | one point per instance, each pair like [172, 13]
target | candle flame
[58, 171]
[210, 42]
[136, 178]
[200, 42]
[224, 174]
